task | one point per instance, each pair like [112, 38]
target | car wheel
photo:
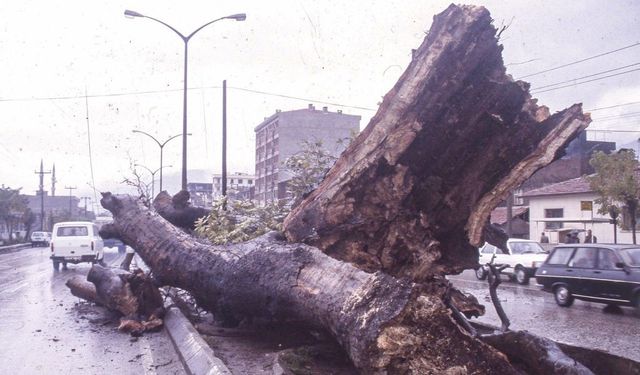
[481, 273]
[636, 301]
[56, 266]
[521, 276]
[563, 296]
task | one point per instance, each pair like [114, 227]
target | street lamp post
[185, 39]
[161, 145]
[153, 177]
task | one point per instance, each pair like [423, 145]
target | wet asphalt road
[46, 330]
[583, 324]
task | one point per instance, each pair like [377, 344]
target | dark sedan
[593, 272]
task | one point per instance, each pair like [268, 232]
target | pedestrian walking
[590, 238]
[544, 238]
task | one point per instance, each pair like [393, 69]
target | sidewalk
[14, 248]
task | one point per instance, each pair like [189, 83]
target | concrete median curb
[194, 352]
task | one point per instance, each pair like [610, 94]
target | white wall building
[238, 185]
[570, 205]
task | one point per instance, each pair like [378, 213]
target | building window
[553, 213]
[518, 200]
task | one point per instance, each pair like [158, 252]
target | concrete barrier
[194, 352]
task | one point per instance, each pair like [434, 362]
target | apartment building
[281, 136]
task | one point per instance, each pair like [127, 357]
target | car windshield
[525, 248]
[631, 256]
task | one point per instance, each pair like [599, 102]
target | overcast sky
[342, 54]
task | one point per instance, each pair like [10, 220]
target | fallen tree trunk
[384, 323]
[449, 141]
[456, 134]
[131, 294]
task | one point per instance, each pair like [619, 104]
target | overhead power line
[583, 82]
[611, 106]
[299, 98]
[587, 76]
[613, 131]
[621, 115]
[71, 97]
[580, 61]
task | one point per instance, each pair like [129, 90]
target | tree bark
[540, 355]
[131, 294]
[406, 202]
[177, 209]
[384, 323]
[411, 195]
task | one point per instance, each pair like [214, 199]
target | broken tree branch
[494, 281]
[177, 209]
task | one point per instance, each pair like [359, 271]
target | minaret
[41, 173]
[53, 180]
[41, 192]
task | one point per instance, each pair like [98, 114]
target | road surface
[583, 324]
[46, 330]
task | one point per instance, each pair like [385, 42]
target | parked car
[523, 259]
[40, 239]
[75, 242]
[112, 242]
[593, 272]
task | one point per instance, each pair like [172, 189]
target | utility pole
[224, 138]
[53, 181]
[70, 189]
[85, 205]
[510, 214]
[41, 192]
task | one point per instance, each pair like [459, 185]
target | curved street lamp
[185, 39]
[161, 145]
[153, 177]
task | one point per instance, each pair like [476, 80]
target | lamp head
[132, 14]
[238, 17]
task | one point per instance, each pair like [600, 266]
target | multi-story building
[200, 193]
[282, 134]
[238, 185]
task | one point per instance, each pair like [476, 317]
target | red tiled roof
[573, 186]
[499, 214]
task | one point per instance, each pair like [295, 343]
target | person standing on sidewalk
[544, 238]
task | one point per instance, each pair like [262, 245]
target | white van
[75, 242]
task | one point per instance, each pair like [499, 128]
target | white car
[40, 239]
[524, 258]
[75, 242]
